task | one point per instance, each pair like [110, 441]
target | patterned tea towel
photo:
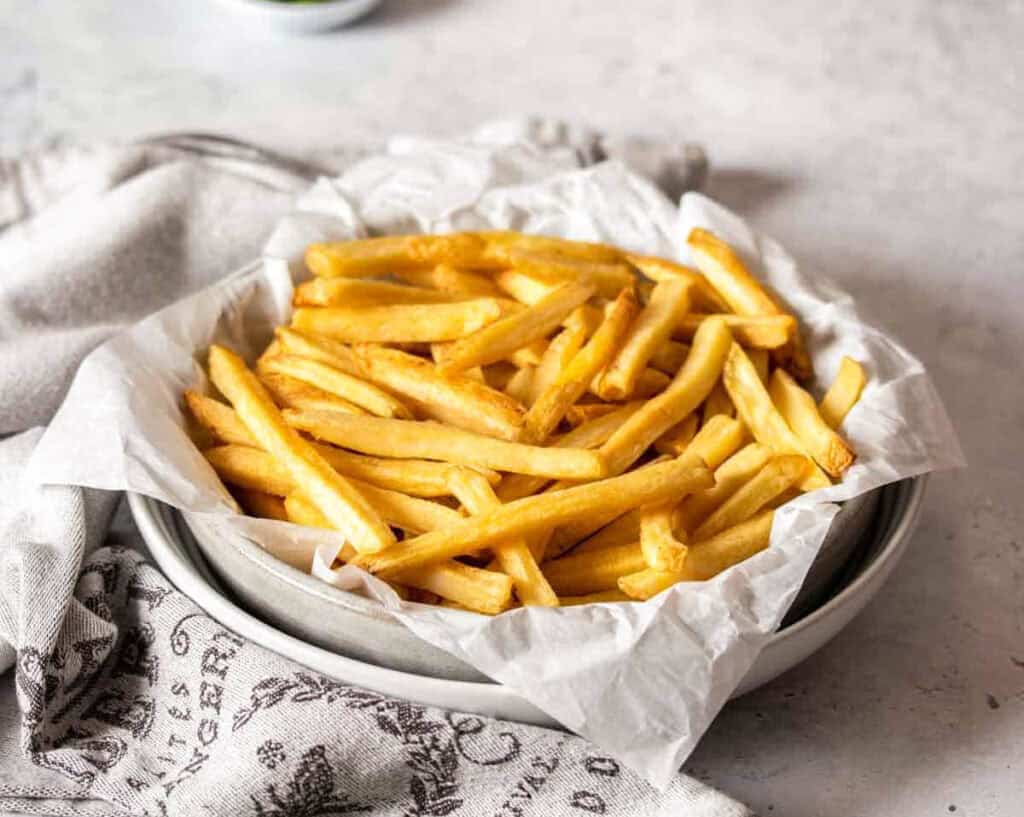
[118, 695]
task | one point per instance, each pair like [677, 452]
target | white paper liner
[641, 680]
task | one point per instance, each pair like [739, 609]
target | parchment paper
[641, 680]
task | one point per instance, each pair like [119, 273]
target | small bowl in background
[301, 18]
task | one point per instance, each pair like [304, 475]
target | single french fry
[669, 357]
[360, 258]
[688, 389]
[336, 498]
[730, 476]
[556, 359]
[593, 572]
[529, 355]
[349, 388]
[315, 347]
[524, 287]
[761, 360]
[529, 515]
[608, 278]
[674, 441]
[742, 291]
[844, 392]
[514, 556]
[501, 242]
[470, 587]
[582, 413]
[218, 418]
[250, 468]
[757, 331]
[290, 392]
[553, 403]
[781, 472]
[661, 547]
[798, 409]
[704, 560]
[621, 531]
[601, 597]
[516, 330]
[755, 408]
[409, 438]
[518, 387]
[457, 399]
[647, 332]
[257, 503]
[718, 403]
[359, 292]
[660, 269]
[456, 249]
[401, 323]
[590, 434]
[454, 284]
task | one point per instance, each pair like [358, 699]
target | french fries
[432, 441]
[798, 409]
[399, 323]
[488, 370]
[844, 392]
[336, 499]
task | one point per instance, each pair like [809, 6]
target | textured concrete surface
[883, 144]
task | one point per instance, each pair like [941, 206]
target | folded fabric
[124, 696]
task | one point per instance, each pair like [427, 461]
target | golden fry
[341, 503]
[427, 440]
[315, 347]
[844, 392]
[781, 472]
[358, 259]
[523, 517]
[454, 284]
[718, 403]
[582, 413]
[219, 419]
[556, 359]
[518, 386]
[402, 323]
[674, 441]
[257, 503]
[798, 409]
[661, 547]
[607, 278]
[701, 292]
[759, 331]
[688, 389]
[289, 392]
[649, 330]
[524, 287]
[552, 404]
[755, 408]
[593, 572]
[358, 292]
[457, 399]
[501, 242]
[730, 476]
[516, 330]
[621, 531]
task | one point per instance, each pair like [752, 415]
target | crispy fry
[674, 441]
[454, 284]
[290, 392]
[781, 472]
[217, 418]
[257, 503]
[798, 409]
[718, 403]
[358, 259]
[518, 387]
[335, 381]
[758, 331]
[526, 516]
[501, 242]
[408, 438]
[741, 290]
[844, 392]
[755, 408]
[704, 560]
[402, 323]
[593, 572]
[601, 597]
[730, 476]
[661, 546]
[514, 331]
[457, 399]
[315, 347]
[529, 355]
[457, 249]
[687, 390]
[341, 503]
[551, 406]
[514, 556]
[761, 360]
[557, 358]
[357, 292]
[524, 287]
[607, 278]
[669, 357]
[660, 269]
[647, 332]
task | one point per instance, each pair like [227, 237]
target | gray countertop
[883, 145]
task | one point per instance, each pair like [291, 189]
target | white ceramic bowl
[302, 18]
[179, 558]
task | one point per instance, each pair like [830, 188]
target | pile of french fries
[498, 419]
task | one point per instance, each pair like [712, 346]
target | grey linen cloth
[121, 696]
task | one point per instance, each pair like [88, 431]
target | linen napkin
[125, 697]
